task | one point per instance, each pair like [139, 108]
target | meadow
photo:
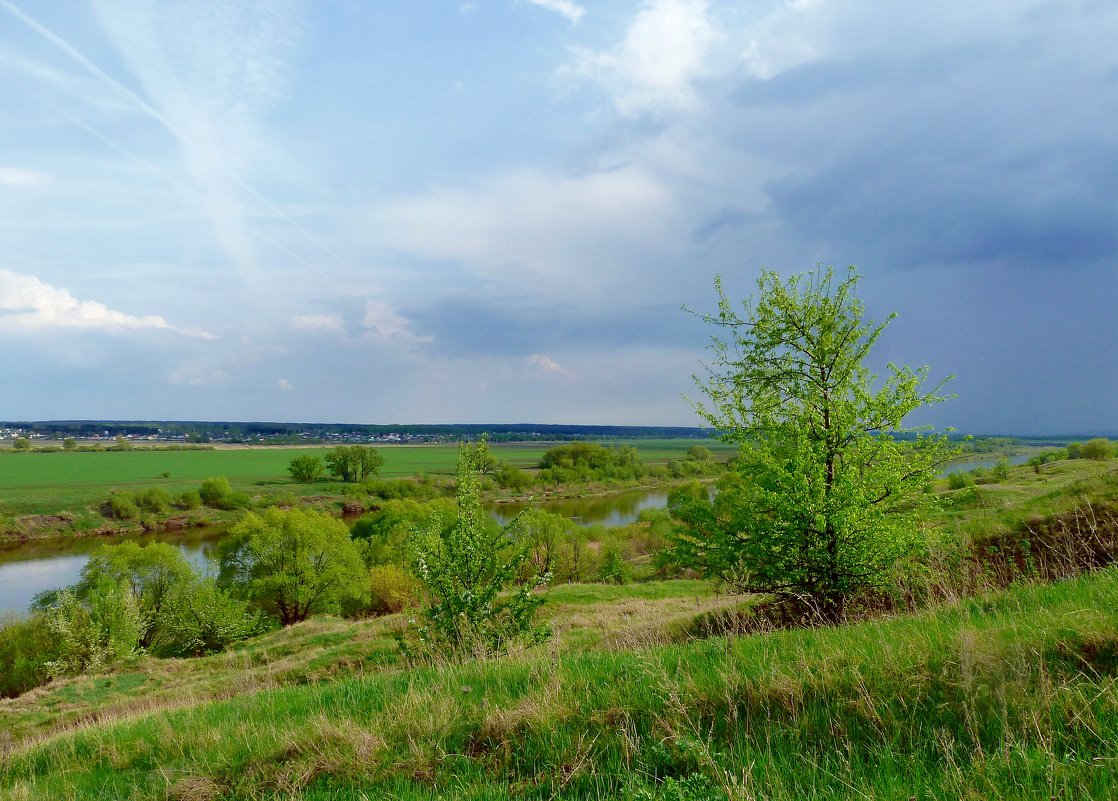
[48, 483]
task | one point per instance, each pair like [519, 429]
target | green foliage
[191, 499]
[544, 533]
[122, 444]
[292, 563]
[306, 469]
[385, 534]
[353, 463]
[588, 461]
[513, 478]
[1100, 449]
[150, 573]
[205, 619]
[69, 444]
[216, 492]
[467, 565]
[960, 479]
[392, 589]
[21, 444]
[1000, 471]
[823, 498]
[613, 568]
[26, 646]
[153, 499]
[123, 507]
[92, 632]
[403, 488]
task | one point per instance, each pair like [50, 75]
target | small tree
[149, 572]
[824, 497]
[216, 492]
[466, 566]
[353, 463]
[1099, 449]
[69, 444]
[292, 563]
[94, 631]
[306, 469]
[21, 444]
[205, 619]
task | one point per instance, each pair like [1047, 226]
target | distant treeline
[283, 433]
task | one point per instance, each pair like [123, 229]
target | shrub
[392, 590]
[306, 469]
[190, 499]
[1000, 471]
[154, 499]
[466, 566]
[216, 492]
[205, 619]
[959, 480]
[94, 632]
[123, 507]
[1099, 449]
[26, 646]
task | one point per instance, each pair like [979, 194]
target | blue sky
[492, 211]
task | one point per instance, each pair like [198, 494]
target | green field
[45, 483]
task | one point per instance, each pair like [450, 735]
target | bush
[94, 632]
[959, 480]
[392, 590]
[306, 469]
[26, 646]
[1099, 449]
[216, 492]
[190, 500]
[154, 499]
[123, 507]
[204, 619]
[466, 565]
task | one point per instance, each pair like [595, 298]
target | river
[27, 570]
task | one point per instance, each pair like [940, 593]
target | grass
[1010, 695]
[48, 483]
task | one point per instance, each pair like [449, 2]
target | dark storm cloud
[463, 326]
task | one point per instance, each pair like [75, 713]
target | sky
[497, 210]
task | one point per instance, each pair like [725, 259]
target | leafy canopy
[292, 563]
[828, 486]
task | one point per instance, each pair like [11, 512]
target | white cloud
[652, 69]
[469, 7]
[550, 231]
[26, 303]
[546, 364]
[20, 178]
[197, 373]
[285, 385]
[572, 11]
[318, 322]
[383, 321]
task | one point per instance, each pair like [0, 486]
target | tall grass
[1009, 695]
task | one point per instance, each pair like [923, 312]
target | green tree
[467, 565]
[216, 492]
[21, 444]
[150, 573]
[1099, 449]
[69, 444]
[306, 469]
[204, 619]
[353, 463]
[827, 488]
[292, 563]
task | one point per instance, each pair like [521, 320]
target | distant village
[195, 433]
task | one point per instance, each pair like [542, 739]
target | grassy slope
[1012, 695]
[52, 482]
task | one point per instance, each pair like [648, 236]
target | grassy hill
[985, 693]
